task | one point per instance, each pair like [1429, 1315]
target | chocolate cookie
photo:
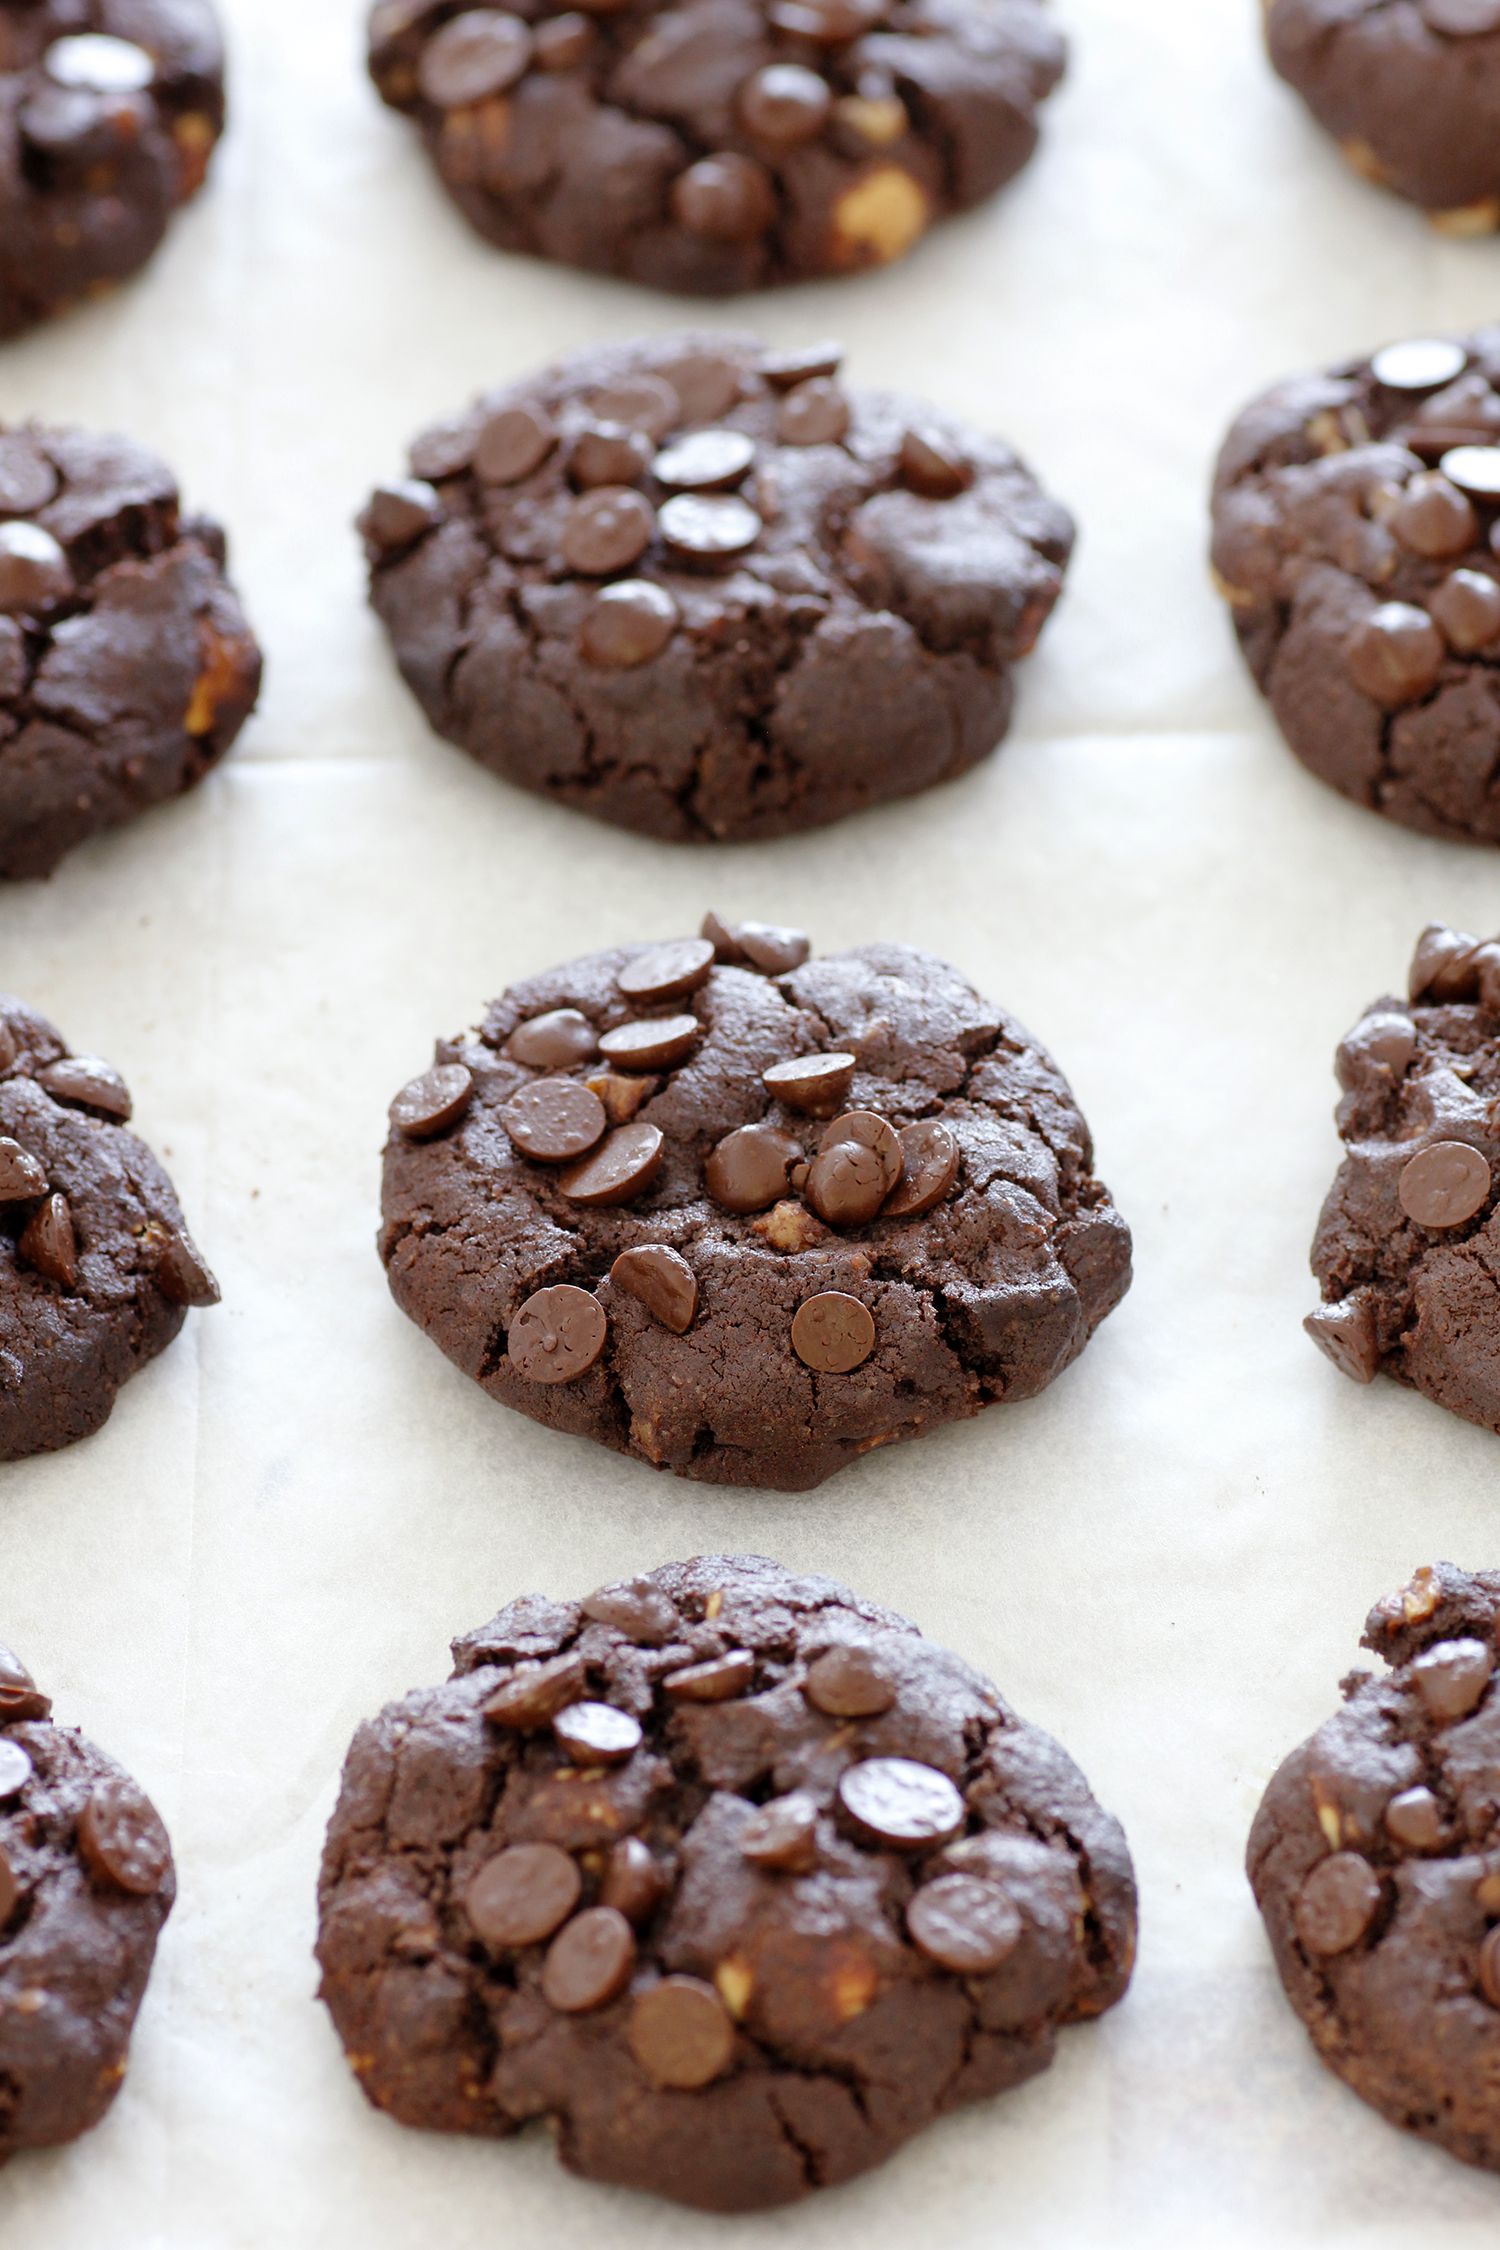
[719, 144]
[126, 665]
[109, 111]
[1411, 93]
[697, 587]
[729, 1875]
[96, 1267]
[1375, 1860]
[86, 1882]
[747, 1216]
[1357, 540]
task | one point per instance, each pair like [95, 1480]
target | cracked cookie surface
[719, 145]
[1375, 1861]
[698, 588]
[86, 1882]
[1355, 524]
[731, 1875]
[1407, 1251]
[97, 1269]
[126, 666]
[109, 112]
[746, 1215]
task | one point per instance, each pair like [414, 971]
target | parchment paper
[1165, 1559]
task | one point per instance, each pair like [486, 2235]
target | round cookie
[1408, 1238]
[731, 1876]
[109, 111]
[719, 144]
[1356, 519]
[1410, 92]
[744, 1215]
[96, 1267]
[1373, 1862]
[86, 1882]
[126, 666]
[699, 588]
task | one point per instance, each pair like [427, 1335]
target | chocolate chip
[654, 1043]
[707, 384]
[554, 1041]
[433, 1102]
[607, 531]
[589, 1962]
[930, 1158]
[681, 2033]
[85, 1082]
[666, 972]
[22, 1178]
[708, 529]
[830, 23]
[96, 63]
[620, 1170]
[706, 461]
[662, 1280]
[716, 1680]
[785, 104]
[898, 1802]
[10, 1889]
[817, 1085]
[833, 1334]
[749, 1169]
[27, 478]
[929, 465]
[1444, 1185]
[522, 1895]
[20, 1697]
[180, 1270]
[783, 1836]
[399, 514]
[1346, 1333]
[771, 950]
[34, 572]
[512, 444]
[534, 1694]
[724, 198]
[1433, 518]
[847, 1683]
[1414, 1819]
[50, 1243]
[630, 623]
[473, 58]
[1452, 1677]
[557, 1335]
[554, 1120]
[608, 453]
[563, 42]
[633, 1883]
[964, 1925]
[639, 402]
[1462, 19]
[122, 1839]
[15, 1768]
[1489, 1967]
[726, 945]
[640, 1611]
[868, 1130]
[815, 413]
[1423, 363]
[596, 1734]
[1336, 1904]
[1466, 610]
[1396, 654]
[815, 362]
[845, 1184]
[1475, 469]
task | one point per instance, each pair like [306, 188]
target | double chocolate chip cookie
[1410, 91]
[700, 588]
[744, 1215]
[96, 1267]
[109, 111]
[730, 1876]
[126, 665]
[718, 145]
[86, 1882]
[1408, 1245]
[1357, 540]
[1375, 1860]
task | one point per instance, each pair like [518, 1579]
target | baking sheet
[1165, 1559]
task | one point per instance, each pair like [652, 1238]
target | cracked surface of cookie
[719, 145]
[699, 588]
[109, 112]
[1375, 1861]
[1356, 518]
[97, 1269]
[126, 666]
[1407, 1251]
[1410, 89]
[86, 1882]
[814, 1885]
[742, 1271]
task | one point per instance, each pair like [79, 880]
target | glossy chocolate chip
[1336, 1905]
[785, 104]
[749, 1169]
[708, 528]
[813, 363]
[589, 1962]
[474, 57]
[122, 1839]
[554, 1120]
[27, 478]
[662, 1280]
[931, 465]
[180, 1270]
[607, 530]
[653, 1043]
[640, 1611]
[770, 949]
[900, 1803]
[639, 402]
[930, 1161]
[50, 1242]
[705, 461]
[783, 1835]
[22, 1178]
[964, 1925]
[1444, 1185]
[554, 1041]
[20, 1697]
[1422, 363]
[815, 413]
[681, 2033]
[534, 1694]
[833, 1333]
[433, 1102]
[1462, 19]
[1451, 1678]
[596, 1734]
[513, 444]
[399, 514]
[34, 571]
[847, 1682]
[716, 1680]
[633, 1882]
[629, 624]
[1346, 1333]
[618, 1171]
[846, 1184]
[1475, 469]
[557, 1335]
[522, 1895]
[1466, 611]
[1414, 1819]
[1489, 1967]
[563, 42]
[816, 1085]
[666, 972]
[608, 453]
[10, 1888]
[726, 198]
[94, 62]
[1396, 654]
[866, 1129]
[15, 1769]
[1433, 518]
[706, 383]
